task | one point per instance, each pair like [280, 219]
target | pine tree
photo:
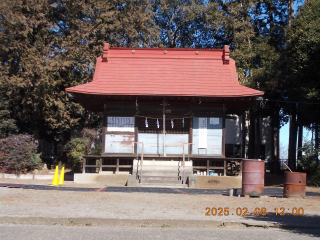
[302, 50]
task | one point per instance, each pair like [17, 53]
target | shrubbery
[18, 154]
[78, 147]
[310, 162]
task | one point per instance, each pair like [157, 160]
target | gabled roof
[165, 72]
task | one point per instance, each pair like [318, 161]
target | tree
[302, 51]
[270, 20]
[23, 39]
[47, 46]
[182, 23]
[7, 122]
[255, 32]
[134, 25]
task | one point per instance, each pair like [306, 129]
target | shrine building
[164, 112]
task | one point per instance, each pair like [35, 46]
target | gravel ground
[53, 207]
[37, 232]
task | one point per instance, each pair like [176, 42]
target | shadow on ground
[292, 221]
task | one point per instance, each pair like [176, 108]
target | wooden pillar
[257, 152]
[223, 150]
[252, 135]
[224, 168]
[100, 165]
[104, 126]
[190, 140]
[84, 166]
[117, 165]
[136, 132]
[243, 135]
[208, 165]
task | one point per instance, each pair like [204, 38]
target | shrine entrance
[155, 142]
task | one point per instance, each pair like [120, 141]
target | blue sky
[284, 139]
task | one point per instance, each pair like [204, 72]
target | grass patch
[165, 226]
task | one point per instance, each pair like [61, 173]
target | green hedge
[18, 154]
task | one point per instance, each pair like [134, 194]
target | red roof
[165, 72]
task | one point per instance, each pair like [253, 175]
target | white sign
[214, 121]
[202, 133]
[120, 124]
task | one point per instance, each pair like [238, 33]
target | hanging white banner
[202, 133]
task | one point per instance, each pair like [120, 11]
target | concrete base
[214, 182]
[192, 181]
[114, 180]
[27, 176]
[133, 181]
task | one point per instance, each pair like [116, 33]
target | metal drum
[294, 184]
[252, 177]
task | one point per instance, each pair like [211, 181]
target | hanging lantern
[183, 122]
[158, 124]
[146, 122]
[172, 123]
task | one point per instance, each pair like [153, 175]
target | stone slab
[105, 179]
[212, 182]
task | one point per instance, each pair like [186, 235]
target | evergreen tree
[182, 23]
[47, 46]
[302, 73]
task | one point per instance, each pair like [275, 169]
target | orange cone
[61, 178]
[55, 176]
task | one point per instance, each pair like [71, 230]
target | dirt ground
[25, 206]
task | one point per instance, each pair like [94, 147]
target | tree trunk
[275, 166]
[290, 11]
[292, 140]
[300, 136]
[316, 136]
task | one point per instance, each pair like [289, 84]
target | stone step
[162, 178]
[161, 181]
[163, 163]
[161, 168]
[163, 185]
[159, 173]
[172, 175]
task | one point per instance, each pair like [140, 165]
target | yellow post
[61, 178]
[55, 176]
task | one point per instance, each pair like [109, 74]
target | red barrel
[294, 184]
[252, 177]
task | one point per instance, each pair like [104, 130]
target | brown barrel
[252, 177]
[294, 184]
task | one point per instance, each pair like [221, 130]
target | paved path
[39, 232]
[277, 192]
[38, 210]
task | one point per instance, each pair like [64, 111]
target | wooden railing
[207, 168]
[206, 164]
[141, 160]
[184, 160]
[86, 167]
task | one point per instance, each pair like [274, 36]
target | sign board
[214, 121]
[120, 124]
[202, 133]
